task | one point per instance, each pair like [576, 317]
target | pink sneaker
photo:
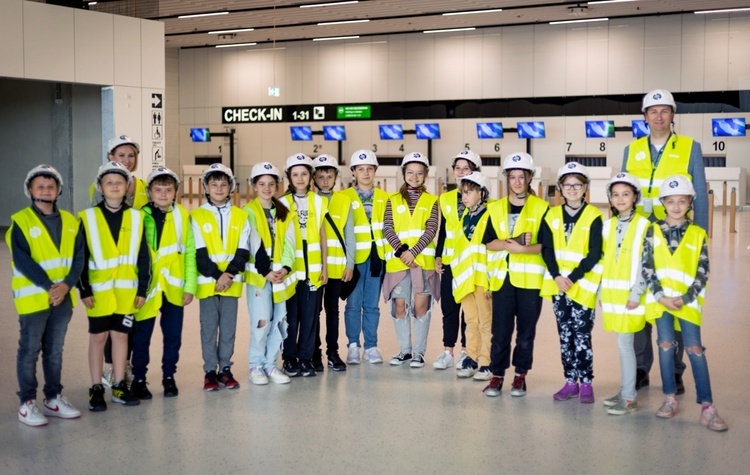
[568, 391]
[711, 419]
[587, 393]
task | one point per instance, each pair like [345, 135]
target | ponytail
[282, 212]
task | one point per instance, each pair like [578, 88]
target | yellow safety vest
[140, 195]
[470, 266]
[526, 270]
[448, 202]
[113, 268]
[317, 207]
[570, 254]
[220, 252]
[676, 273]
[409, 228]
[365, 231]
[27, 296]
[674, 160]
[283, 291]
[338, 210]
[168, 264]
[620, 274]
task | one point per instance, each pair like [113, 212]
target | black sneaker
[121, 394]
[306, 368]
[96, 399]
[680, 385]
[209, 381]
[641, 379]
[291, 367]
[139, 389]
[170, 387]
[336, 363]
[400, 359]
[318, 365]
[227, 380]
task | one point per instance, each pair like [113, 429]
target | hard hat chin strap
[40, 200]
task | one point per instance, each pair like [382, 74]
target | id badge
[648, 206]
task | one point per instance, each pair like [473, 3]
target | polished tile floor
[383, 419]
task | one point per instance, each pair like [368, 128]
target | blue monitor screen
[334, 132]
[640, 129]
[428, 131]
[489, 130]
[200, 135]
[601, 129]
[391, 132]
[531, 130]
[301, 132]
[728, 127]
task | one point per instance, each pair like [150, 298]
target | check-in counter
[599, 177]
[734, 177]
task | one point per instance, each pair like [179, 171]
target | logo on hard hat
[674, 184]
[322, 159]
[464, 152]
[416, 155]
[571, 166]
[267, 166]
[300, 157]
[215, 166]
[620, 175]
[363, 156]
[657, 96]
[123, 137]
[516, 158]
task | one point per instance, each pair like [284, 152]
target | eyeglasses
[572, 186]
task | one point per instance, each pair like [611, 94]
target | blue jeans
[42, 331]
[265, 341]
[171, 329]
[302, 318]
[691, 336]
[362, 313]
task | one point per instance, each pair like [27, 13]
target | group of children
[493, 263]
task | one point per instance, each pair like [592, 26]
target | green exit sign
[354, 112]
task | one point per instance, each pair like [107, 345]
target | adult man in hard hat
[651, 159]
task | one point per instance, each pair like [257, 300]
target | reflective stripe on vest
[113, 268]
[220, 252]
[676, 273]
[364, 232]
[317, 207]
[27, 296]
[569, 254]
[409, 228]
[338, 210]
[470, 267]
[674, 160]
[449, 208]
[620, 274]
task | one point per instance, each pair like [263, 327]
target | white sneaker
[277, 376]
[373, 355]
[352, 357]
[60, 407]
[417, 361]
[461, 358]
[30, 414]
[483, 374]
[108, 376]
[444, 361]
[258, 376]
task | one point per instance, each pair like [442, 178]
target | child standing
[311, 253]
[516, 272]
[571, 248]
[339, 224]
[410, 225]
[675, 266]
[362, 314]
[269, 275]
[451, 211]
[170, 239]
[46, 248]
[114, 281]
[470, 279]
[623, 288]
[221, 233]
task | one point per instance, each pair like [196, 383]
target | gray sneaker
[352, 356]
[623, 407]
[614, 400]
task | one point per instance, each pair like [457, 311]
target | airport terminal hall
[374, 236]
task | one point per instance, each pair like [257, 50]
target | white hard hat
[43, 170]
[572, 168]
[467, 155]
[475, 177]
[658, 97]
[325, 161]
[627, 179]
[218, 168]
[518, 161]
[363, 157]
[162, 171]
[676, 185]
[115, 142]
[113, 167]
[265, 168]
[299, 159]
[415, 157]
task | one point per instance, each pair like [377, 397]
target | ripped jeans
[403, 326]
[265, 341]
[691, 336]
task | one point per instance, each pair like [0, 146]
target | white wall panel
[310, 73]
[739, 58]
[625, 68]
[200, 85]
[380, 73]
[662, 53]
[188, 73]
[231, 80]
[152, 53]
[333, 64]
[549, 60]
[294, 74]
[717, 52]
[253, 69]
[450, 67]
[518, 64]
[576, 57]
[215, 73]
[397, 65]
[127, 51]
[48, 42]
[420, 67]
[352, 77]
[472, 67]
[11, 53]
[692, 74]
[492, 63]
[94, 48]
[597, 59]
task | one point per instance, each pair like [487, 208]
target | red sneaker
[209, 381]
[227, 380]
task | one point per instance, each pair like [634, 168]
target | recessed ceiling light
[726, 10]
[342, 22]
[587, 20]
[224, 32]
[196, 15]
[234, 45]
[336, 38]
[473, 12]
[330, 4]
[449, 30]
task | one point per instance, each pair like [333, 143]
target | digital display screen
[200, 135]
[489, 130]
[301, 132]
[428, 131]
[640, 129]
[728, 127]
[334, 132]
[391, 132]
[531, 130]
[601, 129]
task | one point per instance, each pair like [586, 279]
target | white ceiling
[285, 20]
